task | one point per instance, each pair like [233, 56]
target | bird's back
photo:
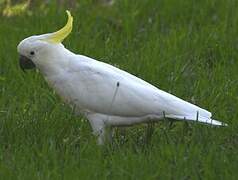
[135, 97]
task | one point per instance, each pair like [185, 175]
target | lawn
[188, 48]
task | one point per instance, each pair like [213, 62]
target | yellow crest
[60, 35]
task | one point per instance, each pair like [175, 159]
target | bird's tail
[201, 119]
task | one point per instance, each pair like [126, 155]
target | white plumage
[106, 95]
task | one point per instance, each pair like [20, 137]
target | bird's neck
[55, 62]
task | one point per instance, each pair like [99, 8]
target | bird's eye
[32, 52]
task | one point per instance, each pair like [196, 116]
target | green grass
[188, 48]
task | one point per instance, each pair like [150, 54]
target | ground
[188, 48]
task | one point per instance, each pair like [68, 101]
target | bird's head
[34, 50]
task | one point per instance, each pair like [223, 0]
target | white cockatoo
[105, 95]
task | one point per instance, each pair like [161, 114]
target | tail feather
[201, 119]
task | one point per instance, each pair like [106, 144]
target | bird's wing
[103, 88]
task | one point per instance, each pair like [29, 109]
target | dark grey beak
[26, 63]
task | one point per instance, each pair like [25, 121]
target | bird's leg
[104, 134]
[101, 130]
[101, 135]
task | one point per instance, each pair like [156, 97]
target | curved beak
[26, 63]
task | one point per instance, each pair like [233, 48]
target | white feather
[96, 87]
[106, 95]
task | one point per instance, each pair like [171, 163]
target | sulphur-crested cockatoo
[105, 95]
